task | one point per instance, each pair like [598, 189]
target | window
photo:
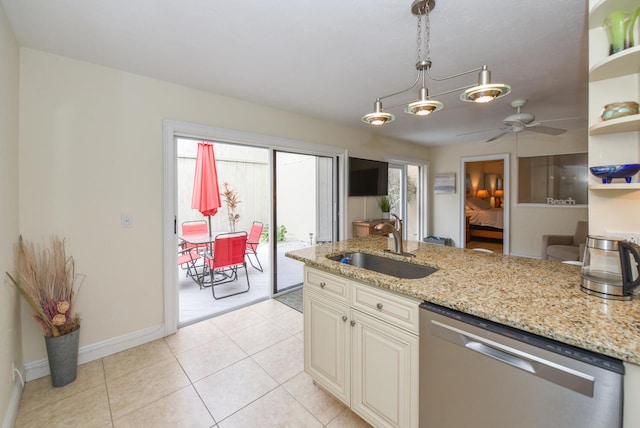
[553, 180]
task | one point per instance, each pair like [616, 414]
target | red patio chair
[252, 244]
[187, 260]
[195, 227]
[227, 258]
[186, 257]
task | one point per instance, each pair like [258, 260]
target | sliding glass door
[291, 196]
[304, 210]
[406, 197]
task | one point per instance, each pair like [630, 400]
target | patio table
[201, 240]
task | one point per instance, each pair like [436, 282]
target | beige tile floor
[240, 369]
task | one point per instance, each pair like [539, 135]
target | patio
[196, 305]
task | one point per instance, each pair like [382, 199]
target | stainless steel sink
[387, 266]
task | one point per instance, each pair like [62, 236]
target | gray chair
[566, 247]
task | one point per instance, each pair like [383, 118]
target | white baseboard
[14, 404]
[40, 368]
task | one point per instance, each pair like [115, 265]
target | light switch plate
[126, 221]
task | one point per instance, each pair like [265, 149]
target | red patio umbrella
[206, 194]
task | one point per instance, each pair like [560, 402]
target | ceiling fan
[521, 121]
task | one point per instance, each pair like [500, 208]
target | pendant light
[482, 92]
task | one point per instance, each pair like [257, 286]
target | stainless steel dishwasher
[476, 373]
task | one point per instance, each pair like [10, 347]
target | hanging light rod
[482, 92]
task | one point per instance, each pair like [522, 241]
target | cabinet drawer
[397, 310]
[327, 284]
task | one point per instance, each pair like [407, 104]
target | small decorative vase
[62, 352]
[385, 216]
[629, 41]
[616, 25]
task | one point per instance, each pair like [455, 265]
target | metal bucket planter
[63, 358]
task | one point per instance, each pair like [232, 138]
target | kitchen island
[537, 296]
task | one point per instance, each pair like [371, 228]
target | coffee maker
[611, 268]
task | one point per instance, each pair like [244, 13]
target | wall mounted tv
[368, 177]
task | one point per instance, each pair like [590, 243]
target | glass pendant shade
[485, 91]
[424, 105]
[378, 117]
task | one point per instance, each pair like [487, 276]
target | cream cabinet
[327, 343]
[362, 347]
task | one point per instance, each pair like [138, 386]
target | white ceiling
[332, 58]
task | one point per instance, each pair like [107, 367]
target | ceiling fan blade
[561, 119]
[495, 137]
[546, 130]
[478, 131]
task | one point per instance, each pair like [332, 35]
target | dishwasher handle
[545, 369]
[498, 355]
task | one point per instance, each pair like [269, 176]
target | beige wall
[527, 223]
[91, 149]
[10, 344]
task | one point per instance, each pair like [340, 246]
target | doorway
[406, 190]
[485, 203]
[243, 173]
[254, 180]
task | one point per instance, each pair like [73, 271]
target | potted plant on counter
[45, 277]
[385, 206]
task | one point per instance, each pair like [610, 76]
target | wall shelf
[616, 65]
[615, 186]
[622, 124]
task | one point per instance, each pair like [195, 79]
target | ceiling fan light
[517, 127]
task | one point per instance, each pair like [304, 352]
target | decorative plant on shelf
[232, 201]
[45, 277]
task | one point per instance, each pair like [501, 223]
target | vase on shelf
[616, 24]
[631, 27]
[385, 216]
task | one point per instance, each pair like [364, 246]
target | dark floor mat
[293, 299]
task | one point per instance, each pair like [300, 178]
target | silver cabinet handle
[353, 323]
[344, 318]
[379, 306]
[322, 285]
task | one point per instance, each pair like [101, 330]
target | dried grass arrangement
[46, 278]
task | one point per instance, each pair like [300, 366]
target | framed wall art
[444, 183]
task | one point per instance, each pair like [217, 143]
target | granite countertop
[538, 296]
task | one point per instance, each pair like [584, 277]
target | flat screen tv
[368, 177]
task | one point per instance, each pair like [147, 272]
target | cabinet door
[327, 343]
[384, 373]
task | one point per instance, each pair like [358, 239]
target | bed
[484, 221]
